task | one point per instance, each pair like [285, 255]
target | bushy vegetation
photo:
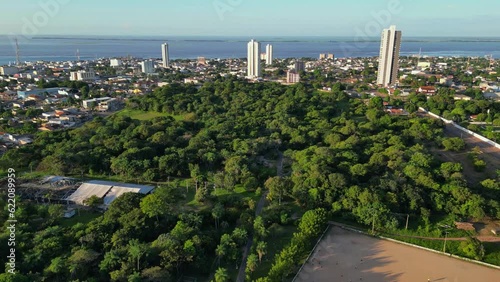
[347, 157]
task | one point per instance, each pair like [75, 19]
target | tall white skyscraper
[389, 56]
[254, 68]
[269, 54]
[165, 55]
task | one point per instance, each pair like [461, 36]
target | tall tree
[136, 251]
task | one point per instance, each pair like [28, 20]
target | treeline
[444, 104]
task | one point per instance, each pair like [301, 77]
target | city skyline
[229, 18]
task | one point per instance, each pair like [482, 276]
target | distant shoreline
[238, 39]
[59, 48]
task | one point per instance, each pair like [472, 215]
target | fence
[310, 254]
[415, 246]
[480, 137]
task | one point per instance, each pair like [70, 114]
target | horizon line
[240, 36]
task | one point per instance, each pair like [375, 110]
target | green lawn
[240, 191]
[84, 217]
[142, 115]
[280, 236]
[219, 193]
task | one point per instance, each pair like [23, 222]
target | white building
[292, 77]
[82, 75]
[8, 70]
[108, 191]
[389, 56]
[269, 54]
[115, 62]
[254, 69]
[87, 104]
[148, 67]
[165, 55]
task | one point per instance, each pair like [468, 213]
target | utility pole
[373, 224]
[407, 219]
[445, 237]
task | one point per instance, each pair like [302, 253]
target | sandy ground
[348, 256]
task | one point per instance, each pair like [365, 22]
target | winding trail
[258, 211]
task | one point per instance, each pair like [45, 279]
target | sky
[360, 18]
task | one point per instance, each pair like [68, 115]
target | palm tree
[261, 250]
[220, 251]
[137, 250]
[221, 275]
[252, 263]
[217, 213]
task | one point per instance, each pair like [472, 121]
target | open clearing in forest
[349, 256]
[490, 154]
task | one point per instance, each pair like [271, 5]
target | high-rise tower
[254, 68]
[165, 55]
[269, 54]
[389, 56]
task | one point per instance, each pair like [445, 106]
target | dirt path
[258, 211]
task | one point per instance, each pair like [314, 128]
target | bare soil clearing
[348, 256]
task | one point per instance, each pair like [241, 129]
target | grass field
[84, 217]
[142, 115]
[279, 237]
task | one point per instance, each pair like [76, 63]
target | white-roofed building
[87, 190]
[106, 190]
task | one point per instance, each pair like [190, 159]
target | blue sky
[251, 17]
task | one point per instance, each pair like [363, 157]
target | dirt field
[349, 256]
[490, 154]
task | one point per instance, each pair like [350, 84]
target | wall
[480, 137]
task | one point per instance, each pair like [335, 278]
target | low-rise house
[427, 90]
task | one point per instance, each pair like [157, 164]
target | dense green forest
[343, 158]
